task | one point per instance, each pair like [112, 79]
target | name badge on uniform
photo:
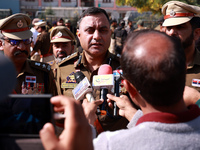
[70, 82]
[196, 82]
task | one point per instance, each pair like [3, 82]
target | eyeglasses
[16, 42]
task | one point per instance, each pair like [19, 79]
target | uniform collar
[27, 68]
[162, 117]
[196, 60]
[105, 61]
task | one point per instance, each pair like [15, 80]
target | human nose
[97, 35]
[171, 31]
[21, 46]
[58, 49]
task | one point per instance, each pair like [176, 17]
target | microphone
[117, 80]
[104, 82]
[83, 89]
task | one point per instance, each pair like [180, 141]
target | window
[66, 0]
[106, 1]
[48, 0]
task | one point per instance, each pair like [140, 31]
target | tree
[151, 5]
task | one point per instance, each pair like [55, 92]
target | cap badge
[172, 13]
[59, 34]
[20, 24]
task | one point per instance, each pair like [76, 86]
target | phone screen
[25, 114]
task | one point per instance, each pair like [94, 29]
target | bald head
[154, 62]
[152, 49]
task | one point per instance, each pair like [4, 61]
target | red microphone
[104, 82]
[105, 69]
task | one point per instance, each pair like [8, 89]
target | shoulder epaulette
[40, 65]
[70, 57]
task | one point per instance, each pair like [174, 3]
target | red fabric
[98, 126]
[163, 117]
[179, 15]
[67, 37]
[15, 30]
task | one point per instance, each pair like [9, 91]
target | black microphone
[83, 89]
[116, 91]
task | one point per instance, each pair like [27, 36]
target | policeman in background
[32, 77]
[43, 43]
[69, 26]
[183, 22]
[113, 25]
[129, 28]
[120, 35]
[140, 25]
[63, 43]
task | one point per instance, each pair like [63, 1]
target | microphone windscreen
[79, 76]
[105, 69]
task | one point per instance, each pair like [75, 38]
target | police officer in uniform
[94, 34]
[182, 21]
[43, 43]
[33, 77]
[63, 44]
[120, 35]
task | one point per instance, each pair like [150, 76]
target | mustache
[19, 52]
[93, 42]
[61, 52]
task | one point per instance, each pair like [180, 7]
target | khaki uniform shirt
[36, 78]
[66, 83]
[43, 43]
[140, 28]
[193, 72]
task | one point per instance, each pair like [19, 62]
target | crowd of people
[159, 108]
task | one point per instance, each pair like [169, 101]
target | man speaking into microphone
[94, 34]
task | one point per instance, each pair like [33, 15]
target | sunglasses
[16, 42]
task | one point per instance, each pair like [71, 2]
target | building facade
[71, 8]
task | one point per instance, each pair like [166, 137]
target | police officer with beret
[33, 77]
[94, 34]
[182, 21]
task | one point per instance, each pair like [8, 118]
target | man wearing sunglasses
[33, 77]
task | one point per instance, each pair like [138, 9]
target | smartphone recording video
[25, 114]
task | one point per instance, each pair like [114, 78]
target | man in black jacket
[120, 35]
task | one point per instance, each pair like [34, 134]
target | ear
[78, 34]
[196, 34]
[130, 88]
[1, 45]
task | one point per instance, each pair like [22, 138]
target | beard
[188, 41]
[58, 60]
